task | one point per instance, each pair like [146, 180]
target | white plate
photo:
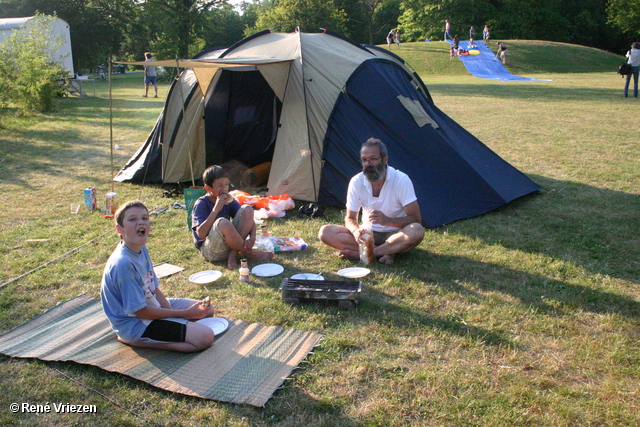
[217, 324]
[205, 276]
[267, 270]
[307, 276]
[354, 272]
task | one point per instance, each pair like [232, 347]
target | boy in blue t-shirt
[137, 310]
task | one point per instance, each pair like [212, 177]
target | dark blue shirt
[201, 210]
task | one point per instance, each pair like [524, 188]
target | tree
[308, 14]
[224, 26]
[422, 19]
[179, 26]
[369, 8]
[625, 15]
[28, 73]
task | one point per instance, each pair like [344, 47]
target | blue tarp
[486, 65]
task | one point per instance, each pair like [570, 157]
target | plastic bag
[275, 206]
[263, 243]
[244, 198]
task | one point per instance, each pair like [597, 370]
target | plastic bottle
[244, 271]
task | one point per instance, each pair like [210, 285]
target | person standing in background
[390, 38]
[149, 76]
[485, 34]
[502, 52]
[634, 60]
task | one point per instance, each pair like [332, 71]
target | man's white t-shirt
[634, 57]
[397, 192]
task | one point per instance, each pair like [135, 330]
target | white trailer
[60, 27]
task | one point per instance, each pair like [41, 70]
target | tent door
[241, 118]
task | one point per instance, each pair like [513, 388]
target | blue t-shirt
[201, 210]
[128, 285]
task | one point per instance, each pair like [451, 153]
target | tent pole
[111, 125]
[184, 116]
[306, 114]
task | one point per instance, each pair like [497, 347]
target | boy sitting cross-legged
[222, 229]
[137, 310]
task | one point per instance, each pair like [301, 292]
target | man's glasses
[370, 160]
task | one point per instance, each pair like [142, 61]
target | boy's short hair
[635, 45]
[147, 55]
[119, 215]
[212, 173]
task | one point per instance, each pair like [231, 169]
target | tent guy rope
[64, 255]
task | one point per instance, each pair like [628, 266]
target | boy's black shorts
[166, 330]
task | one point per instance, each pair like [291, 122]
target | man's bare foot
[387, 259]
[348, 254]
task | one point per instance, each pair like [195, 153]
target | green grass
[527, 315]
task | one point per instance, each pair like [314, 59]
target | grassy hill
[524, 57]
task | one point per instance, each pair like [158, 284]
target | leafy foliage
[311, 15]
[625, 15]
[572, 21]
[28, 74]
[103, 30]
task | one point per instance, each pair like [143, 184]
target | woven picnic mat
[245, 365]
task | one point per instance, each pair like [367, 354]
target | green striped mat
[245, 365]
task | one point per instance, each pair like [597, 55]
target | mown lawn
[527, 315]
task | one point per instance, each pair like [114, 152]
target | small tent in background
[60, 28]
[306, 102]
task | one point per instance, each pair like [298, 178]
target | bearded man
[388, 196]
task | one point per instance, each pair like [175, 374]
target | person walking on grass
[139, 313]
[388, 198]
[447, 30]
[150, 76]
[633, 59]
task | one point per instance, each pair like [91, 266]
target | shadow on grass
[288, 405]
[584, 226]
[50, 161]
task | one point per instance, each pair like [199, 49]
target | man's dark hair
[375, 142]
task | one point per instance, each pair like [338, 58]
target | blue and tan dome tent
[306, 102]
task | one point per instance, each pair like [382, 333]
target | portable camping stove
[346, 292]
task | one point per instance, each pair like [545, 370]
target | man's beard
[375, 173]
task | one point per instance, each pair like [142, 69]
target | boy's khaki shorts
[214, 248]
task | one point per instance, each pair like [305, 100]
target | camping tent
[60, 29]
[306, 102]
